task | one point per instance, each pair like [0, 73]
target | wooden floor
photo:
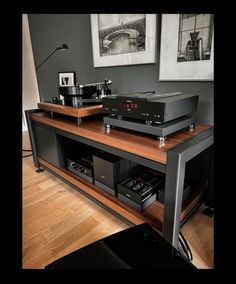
[58, 220]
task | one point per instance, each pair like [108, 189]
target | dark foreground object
[139, 247]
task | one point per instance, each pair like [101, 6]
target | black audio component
[140, 190]
[83, 168]
[139, 206]
[150, 107]
[140, 248]
[186, 193]
[110, 170]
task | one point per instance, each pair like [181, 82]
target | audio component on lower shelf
[140, 190]
[82, 168]
[109, 170]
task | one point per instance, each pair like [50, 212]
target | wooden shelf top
[71, 111]
[130, 141]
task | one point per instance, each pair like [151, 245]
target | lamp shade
[63, 47]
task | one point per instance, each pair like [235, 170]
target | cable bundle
[184, 248]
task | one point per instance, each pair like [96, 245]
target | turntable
[78, 100]
[87, 94]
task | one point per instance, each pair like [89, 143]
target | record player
[81, 95]
[77, 101]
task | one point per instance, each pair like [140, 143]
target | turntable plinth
[71, 111]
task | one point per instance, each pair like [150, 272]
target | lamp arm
[46, 58]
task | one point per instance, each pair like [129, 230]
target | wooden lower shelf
[153, 214]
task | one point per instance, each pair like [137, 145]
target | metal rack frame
[177, 158]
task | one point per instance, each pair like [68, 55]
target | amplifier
[140, 190]
[82, 168]
[151, 107]
[109, 170]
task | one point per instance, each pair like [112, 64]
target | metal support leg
[31, 135]
[209, 211]
[51, 113]
[162, 140]
[39, 170]
[79, 120]
[173, 198]
[191, 127]
[107, 128]
[175, 174]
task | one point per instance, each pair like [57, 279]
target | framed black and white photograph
[66, 79]
[123, 39]
[187, 47]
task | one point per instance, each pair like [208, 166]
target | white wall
[30, 93]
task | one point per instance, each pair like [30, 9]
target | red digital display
[129, 105]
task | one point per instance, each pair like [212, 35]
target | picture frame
[172, 68]
[66, 79]
[122, 39]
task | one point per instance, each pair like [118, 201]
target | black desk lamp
[62, 47]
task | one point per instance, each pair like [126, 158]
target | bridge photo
[121, 33]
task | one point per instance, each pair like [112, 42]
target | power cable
[185, 247]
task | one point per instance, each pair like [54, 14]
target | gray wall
[51, 30]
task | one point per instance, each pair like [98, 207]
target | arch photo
[123, 39]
